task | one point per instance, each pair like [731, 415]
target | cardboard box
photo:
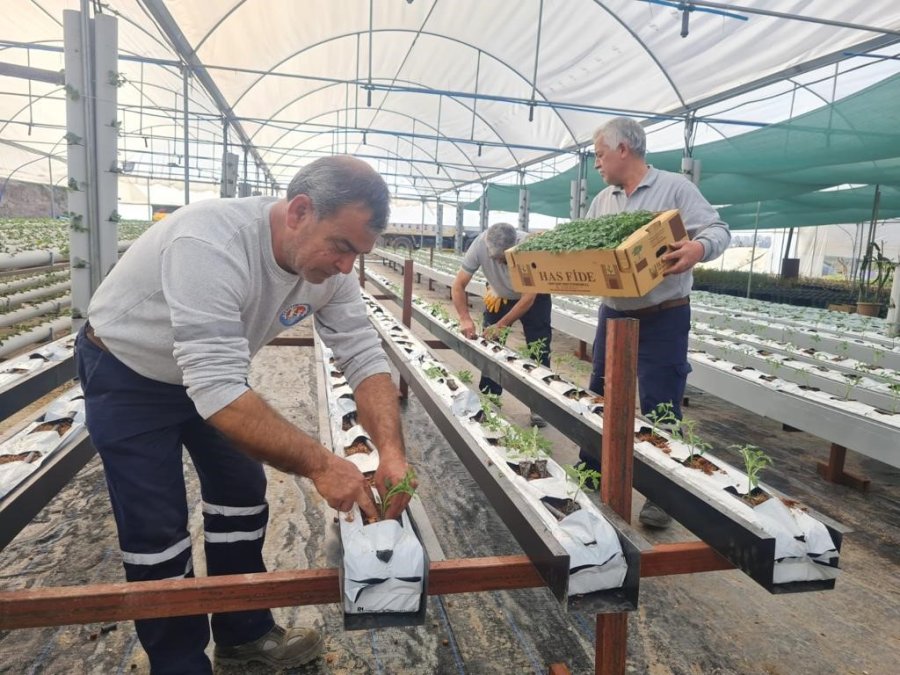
[629, 271]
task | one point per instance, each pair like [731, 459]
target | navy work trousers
[139, 427]
[662, 361]
[535, 325]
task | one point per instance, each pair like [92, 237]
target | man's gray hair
[335, 182]
[498, 238]
[623, 130]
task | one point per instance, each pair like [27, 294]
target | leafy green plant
[755, 460]
[403, 487]
[533, 350]
[663, 415]
[578, 235]
[490, 403]
[687, 434]
[525, 443]
[464, 376]
[434, 372]
[437, 310]
[583, 477]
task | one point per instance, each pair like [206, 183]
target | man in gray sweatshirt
[164, 360]
[665, 313]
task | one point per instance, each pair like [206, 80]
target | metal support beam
[30, 73]
[158, 10]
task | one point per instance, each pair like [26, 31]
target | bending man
[164, 360]
[503, 305]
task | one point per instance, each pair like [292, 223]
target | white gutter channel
[43, 443]
[595, 554]
[814, 558]
[383, 563]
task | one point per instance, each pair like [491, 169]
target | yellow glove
[493, 302]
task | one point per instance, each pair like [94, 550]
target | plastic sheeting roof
[460, 89]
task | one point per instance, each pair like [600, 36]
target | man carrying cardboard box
[664, 312]
[503, 306]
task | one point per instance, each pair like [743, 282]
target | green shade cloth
[784, 166]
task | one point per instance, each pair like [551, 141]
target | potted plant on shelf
[874, 274]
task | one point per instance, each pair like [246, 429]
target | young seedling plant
[755, 460]
[464, 376]
[403, 487]
[533, 350]
[582, 477]
[686, 434]
[434, 372]
[663, 416]
[490, 403]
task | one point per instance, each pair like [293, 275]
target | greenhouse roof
[438, 95]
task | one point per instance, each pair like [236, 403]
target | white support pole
[439, 214]
[92, 81]
[524, 208]
[460, 211]
[485, 210]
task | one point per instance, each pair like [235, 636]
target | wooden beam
[181, 597]
[687, 557]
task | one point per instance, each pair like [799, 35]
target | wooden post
[406, 316]
[616, 461]
[834, 472]
[431, 256]
[581, 352]
[362, 270]
[616, 457]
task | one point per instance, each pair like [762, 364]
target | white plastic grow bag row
[596, 559]
[804, 550]
[814, 558]
[30, 364]
[35, 446]
[383, 563]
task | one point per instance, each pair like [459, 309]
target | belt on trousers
[656, 309]
[90, 335]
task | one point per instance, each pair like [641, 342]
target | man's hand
[342, 485]
[391, 470]
[467, 328]
[683, 256]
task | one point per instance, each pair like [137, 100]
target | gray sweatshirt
[200, 293]
[660, 191]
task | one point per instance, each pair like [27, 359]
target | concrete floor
[707, 623]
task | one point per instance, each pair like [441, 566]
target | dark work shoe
[653, 516]
[284, 648]
[537, 421]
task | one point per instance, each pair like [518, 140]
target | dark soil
[60, 426]
[359, 446]
[701, 464]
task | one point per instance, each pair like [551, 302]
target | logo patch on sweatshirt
[294, 314]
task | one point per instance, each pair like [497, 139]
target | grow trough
[383, 566]
[549, 544]
[735, 536]
[26, 378]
